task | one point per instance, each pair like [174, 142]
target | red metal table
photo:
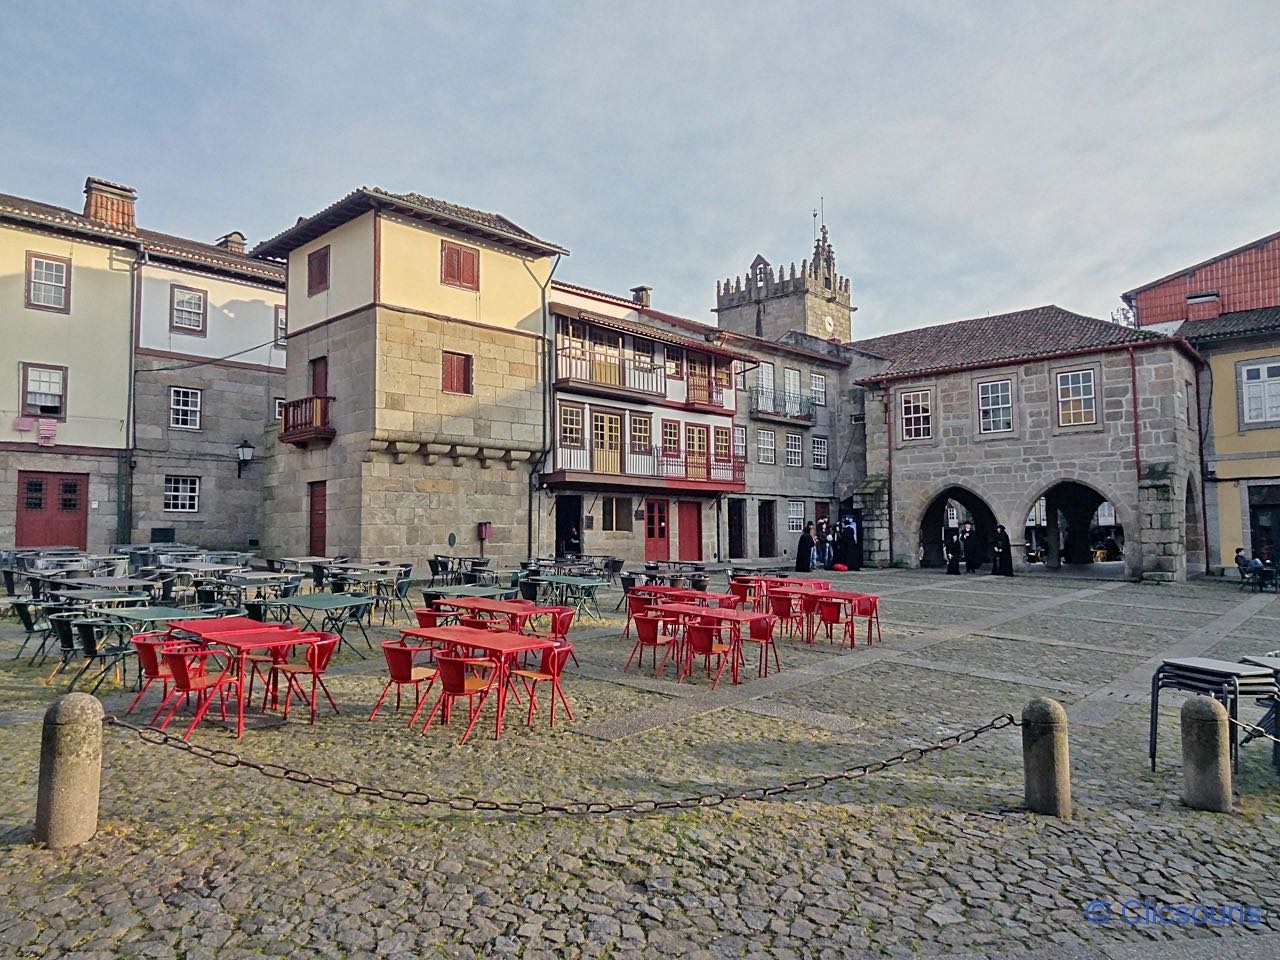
[502, 645]
[863, 605]
[518, 613]
[734, 618]
[241, 642]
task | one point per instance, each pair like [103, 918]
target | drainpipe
[125, 461]
[888, 420]
[548, 359]
[719, 552]
[1204, 507]
[1137, 442]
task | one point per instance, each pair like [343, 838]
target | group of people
[827, 546]
[966, 546]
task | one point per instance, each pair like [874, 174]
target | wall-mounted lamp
[244, 456]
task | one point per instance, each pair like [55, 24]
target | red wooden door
[317, 516]
[53, 510]
[690, 512]
[320, 381]
[657, 545]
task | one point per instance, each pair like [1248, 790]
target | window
[184, 408]
[459, 265]
[739, 375]
[182, 494]
[1186, 389]
[570, 426]
[48, 283]
[740, 443]
[670, 436]
[818, 451]
[641, 434]
[764, 446]
[995, 406]
[795, 516]
[721, 448]
[643, 351]
[1075, 398]
[455, 372]
[818, 388]
[1261, 392]
[675, 363]
[795, 450]
[188, 310]
[617, 515]
[282, 326]
[279, 408]
[917, 422]
[317, 271]
[44, 391]
[722, 373]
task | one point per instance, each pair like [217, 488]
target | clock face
[829, 324]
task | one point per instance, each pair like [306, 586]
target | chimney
[233, 242]
[642, 295]
[1204, 306]
[110, 203]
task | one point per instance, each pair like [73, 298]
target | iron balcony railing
[705, 391]
[611, 370]
[765, 401]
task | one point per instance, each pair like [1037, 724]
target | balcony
[642, 466]
[704, 392]
[307, 420]
[610, 374]
[769, 404]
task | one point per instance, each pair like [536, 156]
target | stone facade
[1153, 479]
[236, 404]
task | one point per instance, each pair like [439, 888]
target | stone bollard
[70, 771]
[1046, 759]
[1206, 755]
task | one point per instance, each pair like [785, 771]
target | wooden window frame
[609, 515]
[582, 426]
[445, 247]
[1092, 397]
[788, 448]
[662, 439]
[773, 448]
[32, 256]
[470, 390]
[22, 397]
[922, 422]
[678, 372]
[633, 419]
[795, 524]
[198, 408]
[165, 493]
[814, 443]
[743, 454]
[984, 424]
[315, 257]
[174, 326]
[819, 397]
[717, 434]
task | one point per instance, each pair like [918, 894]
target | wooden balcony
[650, 466]
[609, 374]
[704, 392]
[307, 421]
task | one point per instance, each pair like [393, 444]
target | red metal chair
[732, 603]
[430, 619]
[784, 607]
[831, 614]
[404, 672]
[761, 631]
[867, 607]
[809, 601]
[482, 623]
[318, 649]
[649, 634]
[189, 668]
[456, 684]
[150, 648]
[744, 592]
[636, 606]
[549, 671]
[700, 641]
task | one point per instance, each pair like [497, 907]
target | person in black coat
[953, 551]
[972, 552]
[848, 548]
[804, 550]
[1002, 553]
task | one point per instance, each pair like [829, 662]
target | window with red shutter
[455, 376]
[459, 265]
[317, 271]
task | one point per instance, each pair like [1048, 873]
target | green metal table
[340, 610]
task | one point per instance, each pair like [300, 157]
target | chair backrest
[809, 602]
[561, 621]
[402, 589]
[185, 664]
[150, 647]
[740, 589]
[479, 623]
[406, 570]
[320, 651]
[86, 634]
[732, 602]
[866, 606]
[553, 660]
[831, 611]
[762, 628]
[291, 587]
[400, 659]
[529, 590]
[453, 672]
[61, 623]
[637, 605]
[427, 618]
[701, 638]
[338, 584]
[647, 628]
[23, 610]
[779, 605]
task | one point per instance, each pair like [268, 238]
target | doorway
[568, 525]
[737, 529]
[606, 443]
[657, 544]
[690, 512]
[767, 526]
[317, 518]
[53, 510]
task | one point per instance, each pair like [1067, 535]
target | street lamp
[244, 456]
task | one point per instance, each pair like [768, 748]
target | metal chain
[1254, 730]
[350, 788]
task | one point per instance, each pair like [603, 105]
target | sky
[971, 158]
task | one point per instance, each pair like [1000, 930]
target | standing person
[1002, 553]
[820, 545]
[953, 552]
[969, 546]
[855, 555]
[573, 543]
[844, 543]
[828, 545]
[804, 550]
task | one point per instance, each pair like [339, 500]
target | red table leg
[243, 659]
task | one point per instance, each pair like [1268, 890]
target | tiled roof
[1128, 295]
[1037, 332]
[157, 244]
[1238, 324]
[697, 345]
[493, 221]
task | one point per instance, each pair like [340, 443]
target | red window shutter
[470, 269]
[317, 271]
[455, 372]
[452, 268]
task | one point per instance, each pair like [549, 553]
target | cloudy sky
[974, 157]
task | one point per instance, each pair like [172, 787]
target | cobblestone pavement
[196, 861]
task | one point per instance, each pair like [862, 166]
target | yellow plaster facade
[351, 273]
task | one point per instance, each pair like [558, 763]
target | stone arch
[1193, 525]
[1077, 501]
[931, 521]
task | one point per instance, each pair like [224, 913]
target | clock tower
[768, 303]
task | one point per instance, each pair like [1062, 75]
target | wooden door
[791, 391]
[699, 379]
[657, 544]
[319, 381]
[606, 442]
[690, 513]
[697, 465]
[606, 357]
[53, 510]
[317, 518]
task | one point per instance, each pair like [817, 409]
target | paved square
[197, 861]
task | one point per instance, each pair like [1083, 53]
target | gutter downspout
[1204, 506]
[547, 359]
[888, 420]
[1137, 444]
[124, 466]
